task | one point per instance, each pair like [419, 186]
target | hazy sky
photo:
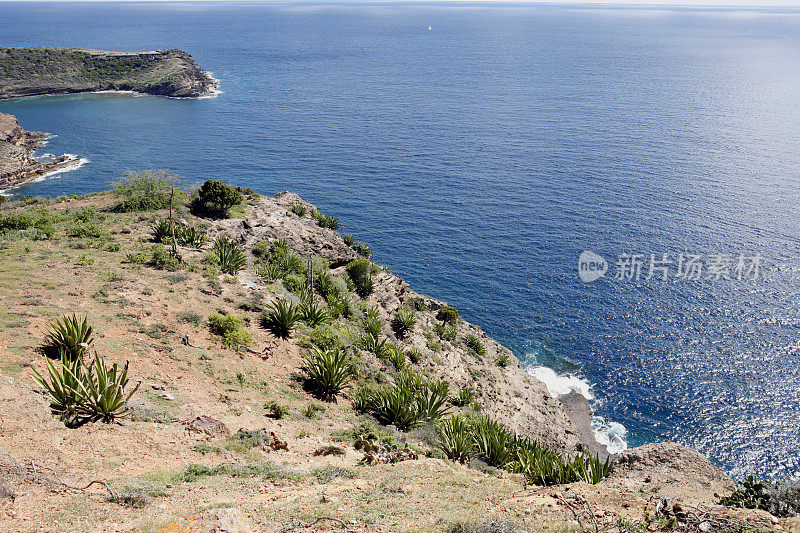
[748, 3]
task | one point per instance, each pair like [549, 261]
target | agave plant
[494, 443]
[81, 393]
[339, 305]
[189, 236]
[64, 387]
[348, 239]
[455, 439]
[281, 318]
[69, 335]
[372, 322]
[394, 356]
[394, 405]
[313, 314]
[463, 397]
[269, 272]
[162, 232]
[229, 257]
[103, 396]
[404, 321]
[328, 371]
[431, 400]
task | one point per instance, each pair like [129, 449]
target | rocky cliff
[17, 165]
[47, 71]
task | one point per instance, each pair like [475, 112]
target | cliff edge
[17, 164]
[50, 71]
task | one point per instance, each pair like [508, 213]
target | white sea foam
[608, 433]
[75, 163]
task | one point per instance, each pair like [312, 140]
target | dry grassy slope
[139, 314]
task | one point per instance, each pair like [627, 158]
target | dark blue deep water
[482, 156]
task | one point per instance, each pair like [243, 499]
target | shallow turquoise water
[482, 156]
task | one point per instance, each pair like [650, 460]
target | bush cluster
[360, 273]
[231, 329]
[467, 436]
[148, 190]
[406, 402]
[215, 199]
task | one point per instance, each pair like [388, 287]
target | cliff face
[17, 166]
[47, 71]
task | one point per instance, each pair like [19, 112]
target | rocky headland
[51, 71]
[17, 164]
[297, 463]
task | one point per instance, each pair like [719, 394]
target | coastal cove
[481, 157]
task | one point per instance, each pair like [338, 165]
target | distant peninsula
[51, 71]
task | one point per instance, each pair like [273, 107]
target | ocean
[481, 150]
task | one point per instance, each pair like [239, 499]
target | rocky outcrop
[17, 165]
[49, 71]
[674, 470]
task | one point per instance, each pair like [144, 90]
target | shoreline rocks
[17, 165]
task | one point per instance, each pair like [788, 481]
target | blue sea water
[481, 156]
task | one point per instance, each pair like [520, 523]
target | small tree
[215, 199]
[147, 190]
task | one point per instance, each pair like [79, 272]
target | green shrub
[325, 338]
[360, 273]
[138, 258]
[503, 360]
[414, 355]
[348, 239]
[262, 250]
[779, 498]
[69, 336]
[161, 259]
[229, 257]
[417, 304]
[281, 318]
[404, 321]
[447, 313]
[298, 209]
[455, 439]
[81, 393]
[86, 231]
[215, 199]
[446, 332]
[276, 410]
[189, 317]
[231, 329]
[475, 344]
[148, 190]
[328, 371]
